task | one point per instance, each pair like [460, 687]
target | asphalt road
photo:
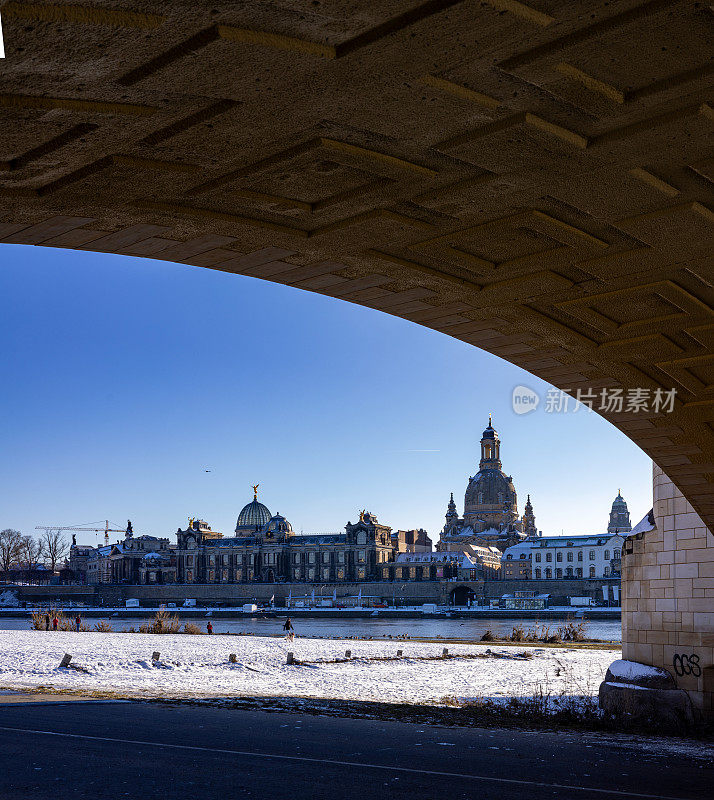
[144, 751]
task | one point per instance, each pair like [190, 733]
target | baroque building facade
[468, 564]
[137, 560]
[265, 548]
[490, 517]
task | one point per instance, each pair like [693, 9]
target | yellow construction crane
[106, 530]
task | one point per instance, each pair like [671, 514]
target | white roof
[428, 558]
[593, 540]
[462, 559]
[643, 525]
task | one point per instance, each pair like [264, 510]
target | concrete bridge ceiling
[536, 179]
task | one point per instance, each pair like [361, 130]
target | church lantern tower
[619, 516]
[452, 515]
[529, 526]
[490, 449]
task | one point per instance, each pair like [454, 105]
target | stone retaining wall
[410, 593]
[237, 593]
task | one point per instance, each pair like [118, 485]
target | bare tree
[9, 548]
[55, 546]
[31, 551]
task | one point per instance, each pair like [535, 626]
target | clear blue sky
[124, 379]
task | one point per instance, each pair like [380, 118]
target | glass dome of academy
[265, 548]
[490, 505]
[253, 516]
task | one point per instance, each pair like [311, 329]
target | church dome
[253, 515]
[489, 488]
[278, 524]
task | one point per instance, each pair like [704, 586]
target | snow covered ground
[198, 666]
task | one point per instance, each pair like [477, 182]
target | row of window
[225, 560]
[223, 575]
[311, 557]
[569, 572]
[570, 555]
[428, 572]
[324, 574]
[272, 558]
[299, 574]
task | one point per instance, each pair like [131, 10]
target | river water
[468, 629]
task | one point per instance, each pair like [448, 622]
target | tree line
[49, 549]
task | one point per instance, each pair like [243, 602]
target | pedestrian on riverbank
[209, 628]
[78, 622]
[55, 623]
[289, 630]
[47, 622]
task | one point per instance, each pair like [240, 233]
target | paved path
[93, 750]
[12, 697]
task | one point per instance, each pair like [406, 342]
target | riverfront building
[595, 556]
[489, 541]
[471, 564]
[265, 548]
[136, 560]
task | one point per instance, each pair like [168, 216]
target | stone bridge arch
[462, 593]
[478, 169]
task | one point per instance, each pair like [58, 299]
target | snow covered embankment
[197, 666]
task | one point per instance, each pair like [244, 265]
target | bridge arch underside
[535, 179]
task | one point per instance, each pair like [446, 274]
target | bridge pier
[668, 600]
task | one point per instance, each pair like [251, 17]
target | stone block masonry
[668, 595]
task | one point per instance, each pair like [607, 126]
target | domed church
[490, 505]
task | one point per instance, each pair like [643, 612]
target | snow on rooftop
[643, 525]
[431, 557]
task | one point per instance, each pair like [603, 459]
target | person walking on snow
[78, 622]
[209, 628]
[47, 622]
[55, 623]
[289, 631]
